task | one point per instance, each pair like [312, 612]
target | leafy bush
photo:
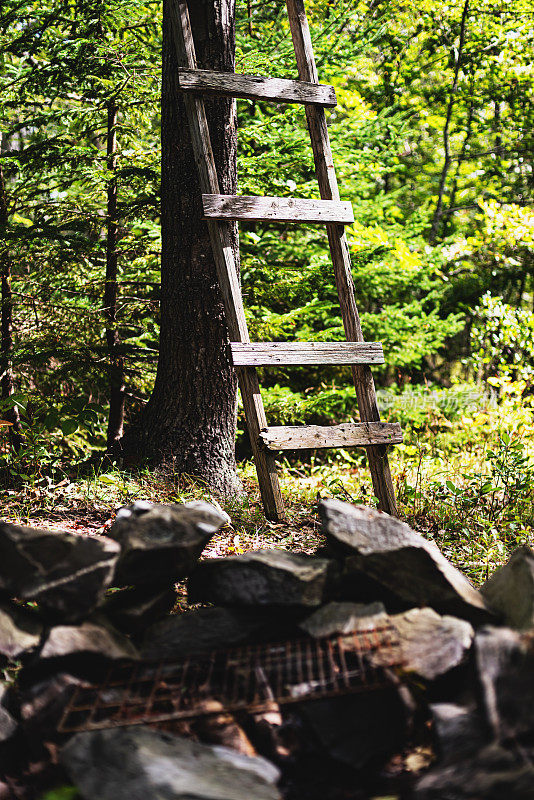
[503, 482]
[502, 340]
[49, 435]
[413, 406]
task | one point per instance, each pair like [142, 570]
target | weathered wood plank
[226, 267]
[326, 177]
[255, 87]
[263, 354]
[276, 209]
[310, 437]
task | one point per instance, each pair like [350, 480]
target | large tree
[189, 422]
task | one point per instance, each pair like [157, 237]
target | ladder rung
[254, 87]
[277, 209]
[309, 437]
[264, 354]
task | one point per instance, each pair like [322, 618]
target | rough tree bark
[459, 162]
[438, 213]
[189, 422]
[117, 390]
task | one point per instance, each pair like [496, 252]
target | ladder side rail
[226, 267]
[329, 190]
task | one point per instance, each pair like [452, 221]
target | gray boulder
[402, 561]
[458, 730]
[43, 703]
[510, 590]
[66, 574]
[203, 630]
[134, 609]
[139, 763]
[8, 726]
[505, 668]
[20, 631]
[491, 774]
[432, 645]
[260, 577]
[163, 542]
[344, 618]
[89, 638]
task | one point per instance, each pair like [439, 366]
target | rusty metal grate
[247, 678]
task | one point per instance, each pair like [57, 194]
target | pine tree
[189, 423]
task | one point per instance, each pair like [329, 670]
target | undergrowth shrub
[502, 341]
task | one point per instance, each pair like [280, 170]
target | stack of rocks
[466, 677]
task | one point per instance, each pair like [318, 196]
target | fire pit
[334, 676]
[248, 678]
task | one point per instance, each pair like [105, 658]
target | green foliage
[415, 407]
[62, 793]
[49, 434]
[464, 477]
[62, 65]
[468, 478]
[393, 69]
[502, 340]
[503, 484]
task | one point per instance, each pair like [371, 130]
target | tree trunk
[459, 162]
[189, 422]
[6, 344]
[438, 213]
[116, 361]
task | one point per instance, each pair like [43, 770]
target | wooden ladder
[221, 210]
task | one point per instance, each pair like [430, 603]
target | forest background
[433, 140]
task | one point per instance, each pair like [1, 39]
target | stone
[159, 542]
[212, 509]
[266, 577]
[8, 725]
[20, 631]
[66, 574]
[402, 561]
[343, 618]
[491, 774]
[140, 507]
[43, 703]
[510, 590]
[203, 630]
[69, 641]
[135, 609]
[137, 763]
[458, 730]
[431, 644]
[505, 665]
[352, 585]
[359, 728]
[12, 743]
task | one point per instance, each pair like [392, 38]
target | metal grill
[248, 678]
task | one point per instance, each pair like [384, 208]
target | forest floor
[465, 480]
